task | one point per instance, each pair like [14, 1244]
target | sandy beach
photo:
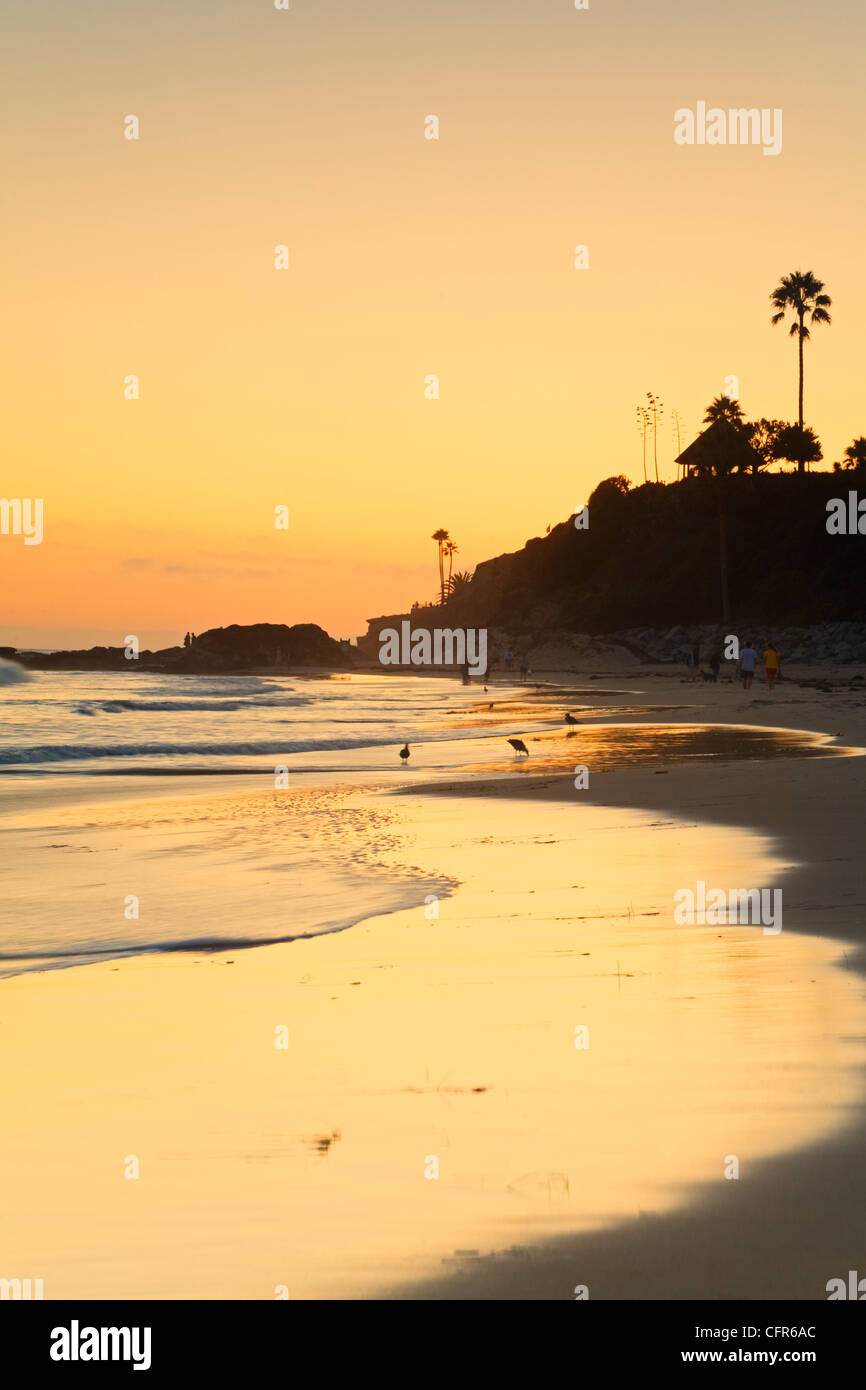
[796, 1220]
[399, 1109]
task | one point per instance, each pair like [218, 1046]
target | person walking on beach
[715, 662]
[772, 666]
[748, 662]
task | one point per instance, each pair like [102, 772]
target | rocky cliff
[649, 559]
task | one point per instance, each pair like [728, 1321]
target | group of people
[747, 664]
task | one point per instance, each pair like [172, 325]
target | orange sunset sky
[408, 257]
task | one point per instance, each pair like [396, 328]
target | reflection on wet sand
[432, 1104]
[609, 747]
[493, 715]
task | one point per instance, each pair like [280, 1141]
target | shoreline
[686, 795]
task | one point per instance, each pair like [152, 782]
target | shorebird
[570, 719]
[404, 752]
[519, 746]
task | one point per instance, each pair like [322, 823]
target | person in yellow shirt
[772, 666]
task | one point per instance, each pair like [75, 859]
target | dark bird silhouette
[404, 752]
[570, 719]
[519, 746]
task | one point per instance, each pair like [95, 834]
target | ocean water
[142, 813]
[106, 722]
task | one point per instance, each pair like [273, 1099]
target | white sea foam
[11, 673]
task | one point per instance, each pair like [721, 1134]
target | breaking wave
[13, 674]
[181, 706]
[84, 752]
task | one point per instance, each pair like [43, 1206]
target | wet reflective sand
[419, 1043]
[609, 747]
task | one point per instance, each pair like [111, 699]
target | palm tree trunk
[723, 557]
[441, 574]
[801, 465]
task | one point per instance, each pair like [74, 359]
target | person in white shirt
[748, 662]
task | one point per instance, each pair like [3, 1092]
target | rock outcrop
[221, 649]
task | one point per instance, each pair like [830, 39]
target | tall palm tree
[450, 550]
[441, 537]
[722, 408]
[802, 293]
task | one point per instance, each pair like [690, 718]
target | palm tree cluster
[769, 440]
[802, 294]
[734, 444]
[447, 550]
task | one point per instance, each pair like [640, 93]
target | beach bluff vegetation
[650, 558]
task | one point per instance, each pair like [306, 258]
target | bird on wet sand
[404, 753]
[570, 719]
[519, 746]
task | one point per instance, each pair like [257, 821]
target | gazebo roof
[721, 448]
